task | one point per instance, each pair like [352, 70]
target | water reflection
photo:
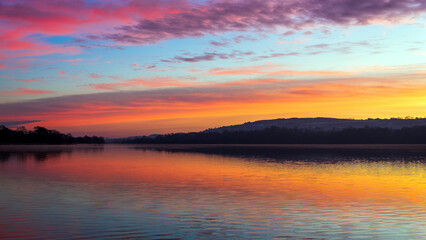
[184, 193]
[310, 153]
[41, 153]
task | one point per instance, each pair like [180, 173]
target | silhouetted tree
[41, 135]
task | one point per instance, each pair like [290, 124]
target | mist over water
[212, 192]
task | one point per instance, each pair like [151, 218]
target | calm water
[212, 192]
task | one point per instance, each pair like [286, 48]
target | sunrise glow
[121, 68]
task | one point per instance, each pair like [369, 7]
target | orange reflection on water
[211, 192]
[344, 181]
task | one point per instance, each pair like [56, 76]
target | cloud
[310, 73]
[341, 47]
[27, 80]
[237, 39]
[150, 67]
[28, 62]
[213, 98]
[93, 75]
[219, 44]
[210, 56]
[151, 82]
[22, 19]
[274, 70]
[18, 123]
[92, 45]
[390, 94]
[25, 91]
[248, 70]
[154, 68]
[115, 24]
[275, 55]
[295, 41]
[322, 46]
[255, 83]
[241, 38]
[326, 31]
[238, 16]
[289, 33]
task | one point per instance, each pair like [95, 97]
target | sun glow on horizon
[143, 67]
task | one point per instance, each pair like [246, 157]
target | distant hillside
[323, 124]
[302, 131]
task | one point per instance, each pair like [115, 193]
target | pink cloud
[288, 33]
[93, 75]
[310, 73]
[256, 83]
[26, 17]
[15, 48]
[27, 80]
[209, 56]
[128, 105]
[273, 70]
[151, 83]
[250, 70]
[239, 16]
[219, 44]
[150, 21]
[26, 91]
[28, 62]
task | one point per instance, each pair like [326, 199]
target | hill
[323, 124]
[302, 131]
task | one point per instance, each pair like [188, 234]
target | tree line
[41, 135]
[276, 135]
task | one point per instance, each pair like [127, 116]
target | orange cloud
[310, 73]
[152, 83]
[251, 70]
[252, 82]
[216, 104]
[273, 70]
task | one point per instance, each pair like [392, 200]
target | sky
[129, 68]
